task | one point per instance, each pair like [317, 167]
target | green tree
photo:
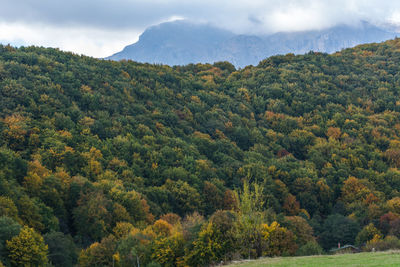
[62, 250]
[92, 217]
[299, 143]
[338, 229]
[135, 250]
[185, 198]
[8, 229]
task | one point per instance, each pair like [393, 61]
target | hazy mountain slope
[329, 40]
[181, 42]
[176, 43]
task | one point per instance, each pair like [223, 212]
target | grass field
[390, 258]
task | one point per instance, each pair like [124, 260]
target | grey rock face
[182, 42]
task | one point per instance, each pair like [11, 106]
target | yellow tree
[291, 205]
[162, 228]
[206, 248]
[8, 208]
[122, 229]
[394, 205]
[27, 249]
[169, 250]
[333, 132]
[279, 240]
[100, 254]
[250, 217]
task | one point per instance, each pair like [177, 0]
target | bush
[310, 248]
[390, 242]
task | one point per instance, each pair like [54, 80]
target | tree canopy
[225, 163]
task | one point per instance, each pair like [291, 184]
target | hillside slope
[95, 153]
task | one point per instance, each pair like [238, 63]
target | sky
[100, 28]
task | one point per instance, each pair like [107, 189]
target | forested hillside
[120, 163]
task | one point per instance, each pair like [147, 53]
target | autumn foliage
[127, 164]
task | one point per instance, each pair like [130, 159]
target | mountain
[176, 43]
[182, 42]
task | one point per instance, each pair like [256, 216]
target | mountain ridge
[183, 42]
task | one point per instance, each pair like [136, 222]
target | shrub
[366, 234]
[390, 242]
[310, 248]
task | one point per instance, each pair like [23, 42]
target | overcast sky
[100, 28]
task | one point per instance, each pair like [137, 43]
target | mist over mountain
[183, 42]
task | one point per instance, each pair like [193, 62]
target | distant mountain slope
[182, 42]
[176, 43]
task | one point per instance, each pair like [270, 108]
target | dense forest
[106, 163]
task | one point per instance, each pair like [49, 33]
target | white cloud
[102, 27]
[294, 18]
[81, 40]
[395, 17]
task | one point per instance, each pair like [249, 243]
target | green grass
[390, 258]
